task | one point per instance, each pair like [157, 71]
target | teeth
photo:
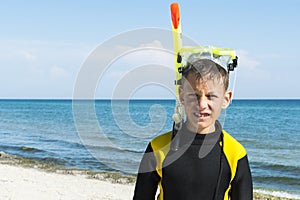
[201, 115]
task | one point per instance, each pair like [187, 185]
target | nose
[203, 103]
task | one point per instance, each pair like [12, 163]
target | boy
[207, 164]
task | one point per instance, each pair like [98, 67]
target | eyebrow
[209, 93]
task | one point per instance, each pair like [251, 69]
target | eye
[192, 95]
[211, 96]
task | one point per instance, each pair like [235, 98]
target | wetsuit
[206, 167]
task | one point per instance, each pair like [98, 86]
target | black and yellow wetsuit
[206, 167]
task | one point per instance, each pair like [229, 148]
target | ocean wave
[37, 154]
[290, 181]
[20, 149]
[32, 161]
[278, 168]
[278, 193]
[112, 148]
[63, 142]
[30, 149]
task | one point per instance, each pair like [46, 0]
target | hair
[206, 69]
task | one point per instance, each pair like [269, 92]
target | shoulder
[233, 147]
[161, 146]
[161, 141]
[233, 151]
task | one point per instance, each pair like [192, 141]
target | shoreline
[24, 178]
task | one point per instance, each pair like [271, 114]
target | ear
[227, 99]
[181, 94]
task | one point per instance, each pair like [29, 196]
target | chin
[205, 126]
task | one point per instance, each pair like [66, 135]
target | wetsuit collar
[189, 137]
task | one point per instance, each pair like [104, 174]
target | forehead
[194, 83]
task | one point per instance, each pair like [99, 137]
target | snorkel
[225, 57]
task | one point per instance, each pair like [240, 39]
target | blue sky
[45, 43]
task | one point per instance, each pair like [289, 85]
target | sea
[111, 135]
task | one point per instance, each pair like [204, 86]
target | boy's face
[203, 101]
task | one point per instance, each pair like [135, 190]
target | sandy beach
[25, 183]
[27, 179]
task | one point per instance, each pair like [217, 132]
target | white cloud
[154, 43]
[59, 72]
[149, 53]
[39, 65]
[152, 52]
[254, 78]
[246, 60]
[133, 57]
[28, 56]
[250, 67]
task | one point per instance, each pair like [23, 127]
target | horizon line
[87, 99]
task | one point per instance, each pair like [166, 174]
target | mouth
[202, 115]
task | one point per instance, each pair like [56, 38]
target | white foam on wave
[278, 193]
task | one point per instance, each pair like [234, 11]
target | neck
[206, 130]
